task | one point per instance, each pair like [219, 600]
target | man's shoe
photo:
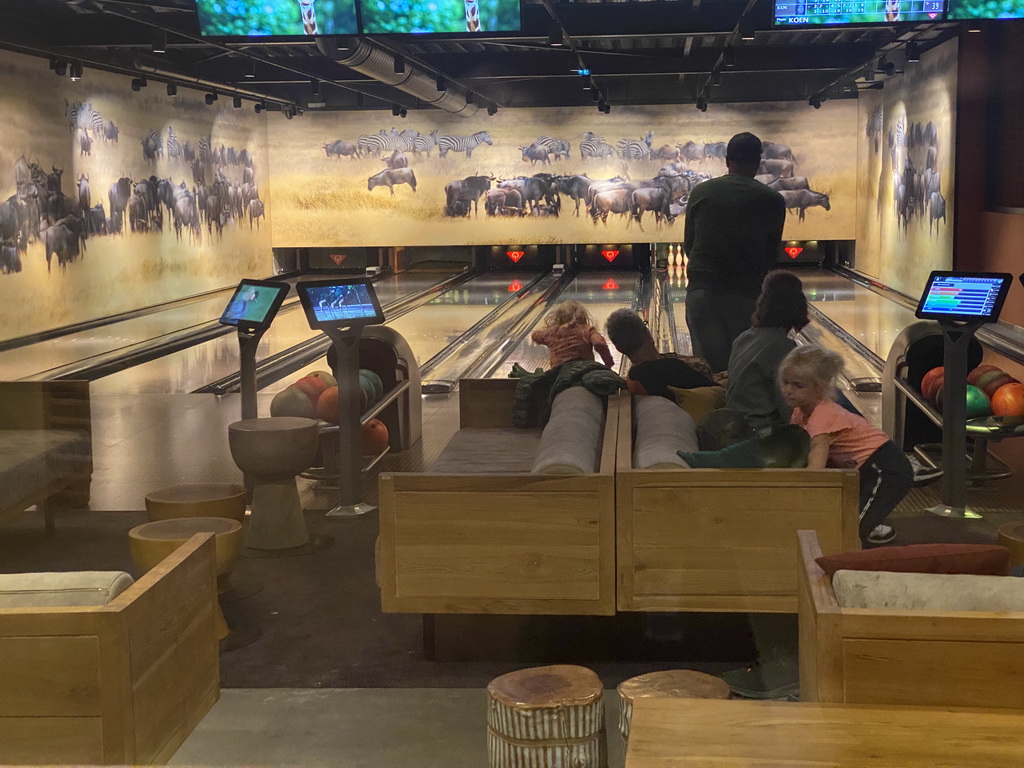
[776, 676]
[882, 534]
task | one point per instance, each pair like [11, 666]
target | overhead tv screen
[282, 18]
[801, 13]
[985, 9]
[424, 17]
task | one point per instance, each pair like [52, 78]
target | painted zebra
[97, 125]
[377, 144]
[421, 143]
[205, 154]
[467, 144]
[595, 146]
[555, 146]
[631, 149]
[173, 147]
[873, 128]
[78, 114]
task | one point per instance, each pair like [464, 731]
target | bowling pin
[675, 255]
[671, 256]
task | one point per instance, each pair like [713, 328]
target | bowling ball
[374, 379]
[327, 377]
[977, 402]
[973, 376]
[313, 387]
[990, 381]
[292, 402]
[931, 384]
[1009, 400]
[374, 437]
[365, 394]
[327, 405]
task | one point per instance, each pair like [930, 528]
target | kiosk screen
[967, 296]
[254, 302]
[335, 304]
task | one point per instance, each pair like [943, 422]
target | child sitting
[569, 334]
[843, 439]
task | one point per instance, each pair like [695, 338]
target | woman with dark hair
[753, 388]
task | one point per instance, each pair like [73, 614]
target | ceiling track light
[556, 37]
[913, 52]
[396, 110]
[440, 83]
[607, 108]
[159, 41]
[747, 29]
[210, 98]
[138, 83]
[728, 56]
[76, 71]
[600, 106]
[716, 77]
[236, 102]
[399, 64]
[702, 103]
[469, 97]
[59, 67]
[492, 109]
[257, 108]
[251, 72]
[815, 101]
[172, 89]
[869, 75]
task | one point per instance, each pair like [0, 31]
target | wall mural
[112, 200]
[547, 175]
[905, 180]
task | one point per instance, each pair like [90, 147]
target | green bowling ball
[376, 385]
[977, 402]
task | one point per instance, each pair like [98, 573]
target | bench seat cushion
[33, 459]
[662, 429]
[61, 590]
[571, 442]
[488, 451]
[928, 591]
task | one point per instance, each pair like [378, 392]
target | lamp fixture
[289, 112]
[716, 77]
[815, 101]
[396, 109]
[210, 98]
[59, 67]
[702, 103]
[251, 72]
[886, 67]
[399, 64]
[172, 89]
[729, 56]
[869, 75]
[440, 84]
[237, 102]
[746, 29]
[76, 71]
[159, 41]
[600, 106]
[556, 38]
[913, 52]
[138, 83]
[257, 108]
[607, 108]
[492, 109]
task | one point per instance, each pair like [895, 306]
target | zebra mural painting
[467, 144]
[595, 146]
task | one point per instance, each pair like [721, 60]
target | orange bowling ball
[327, 405]
[375, 437]
[1009, 400]
[932, 383]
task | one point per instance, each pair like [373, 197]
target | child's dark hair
[626, 330]
[782, 303]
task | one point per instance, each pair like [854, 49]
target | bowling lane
[192, 368]
[601, 293]
[31, 361]
[869, 317]
[435, 325]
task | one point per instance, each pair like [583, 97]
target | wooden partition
[721, 539]
[925, 658]
[520, 543]
[124, 683]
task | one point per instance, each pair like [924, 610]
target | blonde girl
[569, 334]
[840, 438]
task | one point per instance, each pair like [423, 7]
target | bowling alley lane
[601, 293]
[32, 361]
[192, 368]
[435, 325]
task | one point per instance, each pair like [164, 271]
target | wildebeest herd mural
[216, 188]
[628, 195]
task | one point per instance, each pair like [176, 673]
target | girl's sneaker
[882, 534]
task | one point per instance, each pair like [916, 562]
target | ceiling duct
[368, 59]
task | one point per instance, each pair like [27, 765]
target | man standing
[733, 236]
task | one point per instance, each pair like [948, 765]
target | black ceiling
[638, 53]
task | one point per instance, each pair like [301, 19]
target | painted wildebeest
[96, 220]
[535, 153]
[936, 211]
[138, 213]
[84, 197]
[556, 147]
[61, 242]
[691, 152]
[573, 186]
[118, 196]
[802, 199]
[503, 202]
[255, 212]
[715, 149]
[610, 201]
[778, 168]
[773, 151]
[186, 216]
[535, 190]
[111, 131]
[84, 141]
[790, 183]
[397, 160]
[341, 148]
[462, 194]
[391, 177]
[10, 259]
[665, 152]
[152, 146]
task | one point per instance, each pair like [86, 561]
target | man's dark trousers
[715, 318]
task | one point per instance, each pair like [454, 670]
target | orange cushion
[978, 559]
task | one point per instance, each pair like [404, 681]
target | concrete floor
[354, 728]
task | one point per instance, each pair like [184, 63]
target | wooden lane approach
[686, 733]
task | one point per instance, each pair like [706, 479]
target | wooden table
[685, 733]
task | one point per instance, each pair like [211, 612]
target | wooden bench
[121, 683]
[721, 539]
[927, 658]
[50, 463]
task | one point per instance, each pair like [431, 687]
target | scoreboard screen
[826, 12]
[966, 296]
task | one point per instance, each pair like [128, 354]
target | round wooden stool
[1011, 536]
[151, 542]
[197, 500]
[668, 684]
[546, 716]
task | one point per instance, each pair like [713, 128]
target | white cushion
[61, 590]
[571, 441]
[662, 429]
[928, 591]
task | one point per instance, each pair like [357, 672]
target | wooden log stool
[546, 717]
[197, 500]
[1011, 536]
[151, 542]
[668, 684]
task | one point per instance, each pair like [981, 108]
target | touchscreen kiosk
[254, 303]
[340, 303]
[973, 297]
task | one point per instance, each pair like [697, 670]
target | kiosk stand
[341, 309]
[961, 302]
